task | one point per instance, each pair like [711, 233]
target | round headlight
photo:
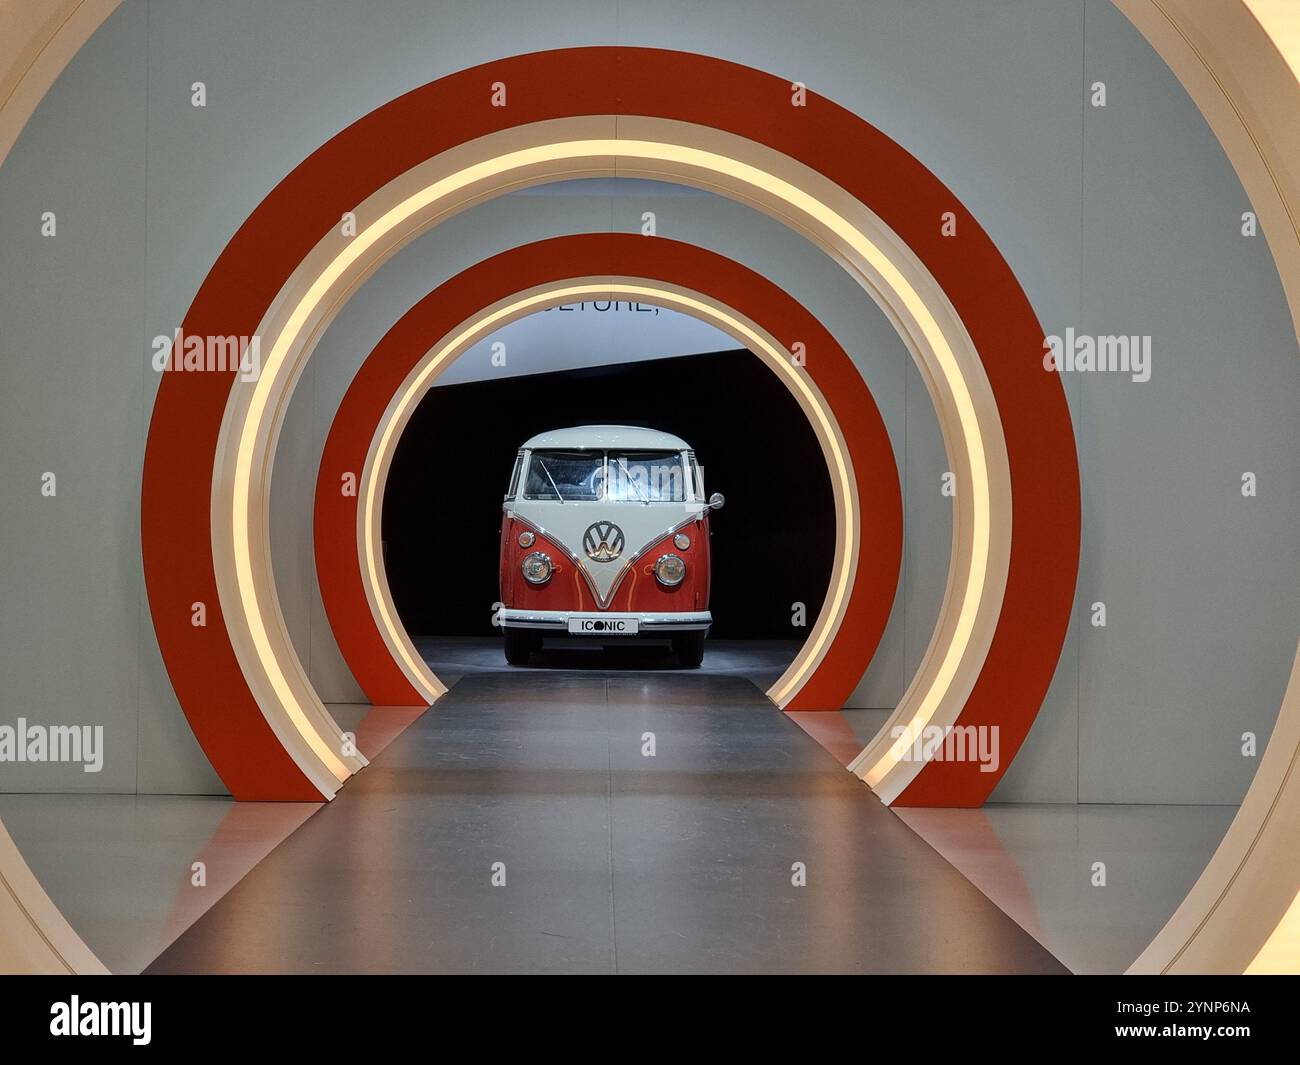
[670, 570]
[682, 541]
[537, 568]
[526, 539]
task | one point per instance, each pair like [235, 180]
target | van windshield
[646, 477]
[565, 475]
[616, 476]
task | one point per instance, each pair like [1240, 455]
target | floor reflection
[1037, 862]
[761, 661]
[121, 868]
[132, 872]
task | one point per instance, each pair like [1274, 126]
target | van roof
[603, 436]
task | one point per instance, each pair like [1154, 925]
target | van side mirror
[716, 501]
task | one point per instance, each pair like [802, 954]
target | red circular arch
[880, 554]
[183, 433]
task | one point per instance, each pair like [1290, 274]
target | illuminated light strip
[1280, 953]
[338, 532]
[496, 170]
[1240, 65]
[673, 297]
[1047, 523]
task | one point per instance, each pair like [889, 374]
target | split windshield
[611, 476]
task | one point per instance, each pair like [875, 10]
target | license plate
[603, 626]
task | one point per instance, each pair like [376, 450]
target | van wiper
[558, 494]
[627, 476]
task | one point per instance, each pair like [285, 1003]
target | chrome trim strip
[558, 620]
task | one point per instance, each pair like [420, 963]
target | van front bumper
[648, 624]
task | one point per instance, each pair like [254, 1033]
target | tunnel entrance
[772, 544]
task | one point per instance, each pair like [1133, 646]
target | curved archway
[1273, 790]
[629, 112]
[517, 282]
[1240, 63]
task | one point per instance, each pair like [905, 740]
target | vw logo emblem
[603, 541]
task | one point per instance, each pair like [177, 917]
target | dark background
[772, 542]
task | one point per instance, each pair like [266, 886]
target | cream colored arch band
[601, 146]
[743, 330]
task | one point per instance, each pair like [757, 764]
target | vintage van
[605, 538]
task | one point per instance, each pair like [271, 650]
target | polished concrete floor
[547, 821]
[1035, 860]
[761, 661]
[122, 868]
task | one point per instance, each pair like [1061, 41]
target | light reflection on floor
[1036, 861]
[761, 661]
[121, 867]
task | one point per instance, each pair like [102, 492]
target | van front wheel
[689, 649]
[519, 645]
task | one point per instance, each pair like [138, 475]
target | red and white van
[606, 538]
